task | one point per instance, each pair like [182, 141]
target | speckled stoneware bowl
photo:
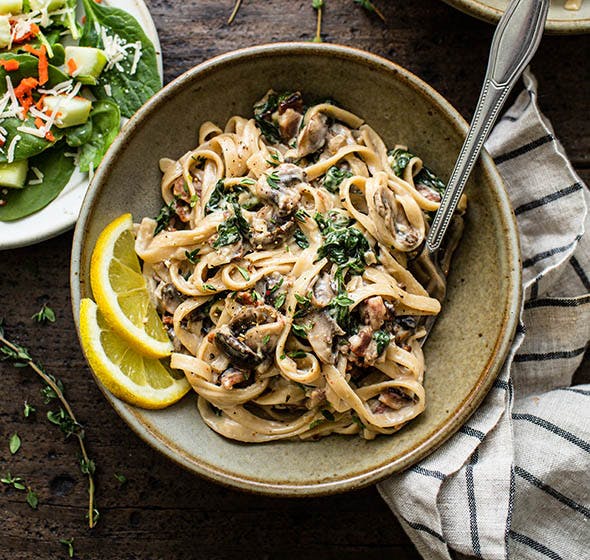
[468, 344]
[559, 20]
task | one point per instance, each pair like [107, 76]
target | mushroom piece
[289, 123]
[170, 298]
[252, 334]
[268, 229]
[282, 187]
[323, 292]
[232, 376]
[313, 135]
[322, 335]
[394, 218]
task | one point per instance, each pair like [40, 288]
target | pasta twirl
[286, 266]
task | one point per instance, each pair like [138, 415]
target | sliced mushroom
[394, 219]
[313, 135]
[282, 186]
[289, 123]
[226, 254]
[322, 335]
[232, 376]
[249, 338]
[268, 229]
[323, 291]
[170, 298]
[337, 137]
[394, 398]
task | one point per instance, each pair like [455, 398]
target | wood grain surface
[164, 512]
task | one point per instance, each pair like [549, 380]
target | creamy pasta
[287, 267]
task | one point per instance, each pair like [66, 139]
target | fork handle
[515, 42]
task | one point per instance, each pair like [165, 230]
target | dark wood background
[163, 511]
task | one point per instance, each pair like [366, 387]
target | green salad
[69, 70]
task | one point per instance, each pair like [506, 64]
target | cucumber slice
[13, 175]
[48, 5]
[89, 62]
[4, 31]
[11, 7]
[70, 112]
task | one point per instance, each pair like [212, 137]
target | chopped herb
[194, 200]
[382, 339]
[28, 410]
[45, 315]
[164, 217]
[247, 181]
[274, 159]
[273, 180]
[233, 229]
[297, 354]
[282, 356]
[300, 330]
[427, 178]
[121, 478]
[210, 287]
[244, 273]
[191, 256]
[276, 286]
[301, 238]
[334, 176]
[14, 443]
[263, 112]
[32, 499]
[62, 419]
[280, 300]
[301, 215]
[343, 245]
[256, 296]
[70, 544]
[327, 415]
[216, 197]
[304, 303]
[266, 339]
[357, 420]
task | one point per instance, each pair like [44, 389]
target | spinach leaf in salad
[77, 136]
[129, 90]
[56, 169]
[28, 145]
[106, 118]
[28, 68]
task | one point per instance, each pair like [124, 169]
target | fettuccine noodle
[287, 267]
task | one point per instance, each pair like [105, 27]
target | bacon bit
[10, 64]
[33, 32]
[39, 122]
[23, 93]
[41, 54]
[72, 66]
[2, 142]
[83, 20]
[49, 136]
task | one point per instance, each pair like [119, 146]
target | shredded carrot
[39, 122]
[33, 32]
[40, 53]
[23, 93]
[72, 66]
[39, 104]
[10, 64]
[49, 136]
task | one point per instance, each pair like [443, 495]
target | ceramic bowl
[471, 338]
[559, 20]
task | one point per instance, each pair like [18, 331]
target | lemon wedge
[121, 293]
[137, 380]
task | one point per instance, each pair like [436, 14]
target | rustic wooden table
[163, 511]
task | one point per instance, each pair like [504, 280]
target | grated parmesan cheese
[117, 50]
[11, 148]
[39, 176]
[136, 57]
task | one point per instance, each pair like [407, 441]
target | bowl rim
[554, 26]
[158, 441]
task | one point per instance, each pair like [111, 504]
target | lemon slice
[121, 293]
[138, 380]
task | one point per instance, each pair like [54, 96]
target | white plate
[61, 214]
[559, 20]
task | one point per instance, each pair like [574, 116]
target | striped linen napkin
[514, 481]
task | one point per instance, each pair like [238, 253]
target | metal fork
[515, 41]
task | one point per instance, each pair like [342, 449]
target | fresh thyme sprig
[66, 419]
[234, 12]
[318, 6]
